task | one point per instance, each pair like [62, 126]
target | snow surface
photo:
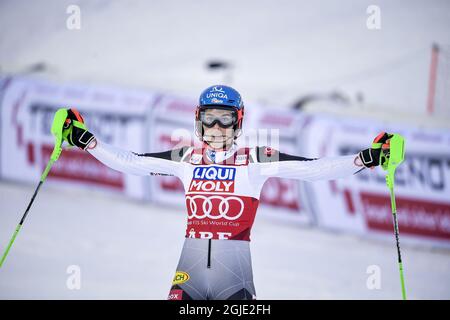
[129, 250]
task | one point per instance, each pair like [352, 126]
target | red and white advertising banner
[282, 131]
[115, 116]
[172, 126]
[361, 202]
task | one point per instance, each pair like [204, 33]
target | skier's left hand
[378, 153]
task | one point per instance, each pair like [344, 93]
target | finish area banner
[115, 116]
[362, 202]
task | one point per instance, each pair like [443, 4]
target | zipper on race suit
[209, 254]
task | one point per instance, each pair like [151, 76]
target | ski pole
[396, 156]
[57, 127]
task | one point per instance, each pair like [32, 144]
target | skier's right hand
[75, 131]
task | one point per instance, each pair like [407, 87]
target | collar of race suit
[218, 156]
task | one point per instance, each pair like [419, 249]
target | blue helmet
[223, 97]
[220, 95]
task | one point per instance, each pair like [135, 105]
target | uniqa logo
[216, 95]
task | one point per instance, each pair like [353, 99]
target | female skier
[222, 186]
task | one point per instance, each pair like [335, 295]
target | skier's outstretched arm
[282, 165]
[166, 163]
[272, 163]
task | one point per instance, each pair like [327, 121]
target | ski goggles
[224, 120]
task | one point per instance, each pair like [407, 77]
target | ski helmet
[220, 97]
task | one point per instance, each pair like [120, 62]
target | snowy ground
[129, 250]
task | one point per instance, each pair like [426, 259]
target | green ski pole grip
[57, 129]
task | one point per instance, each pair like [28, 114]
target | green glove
[75, 131]
[378, 154]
